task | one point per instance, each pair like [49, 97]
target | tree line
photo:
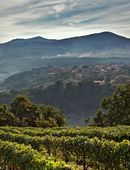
[22, 112]
[114, 110]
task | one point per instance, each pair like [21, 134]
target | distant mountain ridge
[92, 41]
[103, 34]
[24, 54]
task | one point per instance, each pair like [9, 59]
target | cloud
[59, 8]
[62, 18]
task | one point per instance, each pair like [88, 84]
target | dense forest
[78, 101]
[113, 110]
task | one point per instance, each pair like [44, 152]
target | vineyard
[65, 148]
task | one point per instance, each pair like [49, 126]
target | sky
[58, 19]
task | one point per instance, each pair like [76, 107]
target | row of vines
[118, 133]
[48, 149]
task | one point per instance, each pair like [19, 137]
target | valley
[74, 89]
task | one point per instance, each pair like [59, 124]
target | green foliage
[22, 112]
[50, 116]
[6, 117]
[77, 100]
[115, 110]
[85, 150]
[24, 157]
[25, 110]
[118, 133]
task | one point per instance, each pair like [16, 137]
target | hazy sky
[62, 18]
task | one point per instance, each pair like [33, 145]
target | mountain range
[24, 54]
[73, 74]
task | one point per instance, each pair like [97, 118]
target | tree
[6, 117]
[50, 116]
[25, 110]
[99, 119]
[115, 109]
[30, 114]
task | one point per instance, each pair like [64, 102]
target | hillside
[77, 90]
[78, 101]
[24, 54]
[45, 76]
